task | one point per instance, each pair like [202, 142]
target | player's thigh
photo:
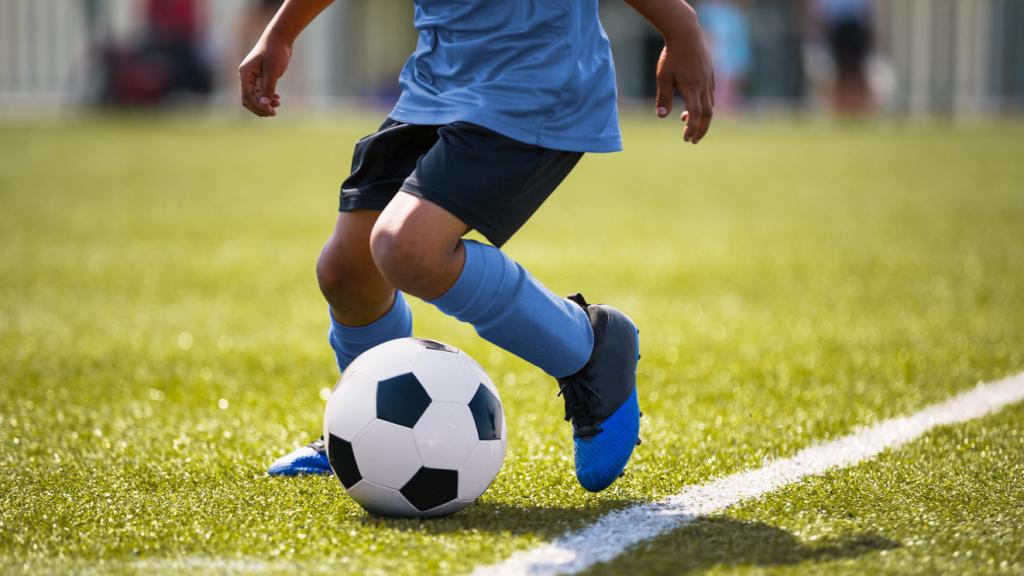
[418, 226]
[415, 244]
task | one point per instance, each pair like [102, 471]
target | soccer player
[499, 101]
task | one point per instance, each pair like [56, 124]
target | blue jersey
[536, 71]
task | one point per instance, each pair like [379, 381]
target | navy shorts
[490, 182]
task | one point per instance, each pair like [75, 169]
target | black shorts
[490, 182]
[850, 42]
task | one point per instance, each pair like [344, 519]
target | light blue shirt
[730, 46]
[536, 71]
[834, 10]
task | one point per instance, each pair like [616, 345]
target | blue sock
[509, 308]
[349, 342]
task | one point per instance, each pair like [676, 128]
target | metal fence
[956, 55]
[43, 51]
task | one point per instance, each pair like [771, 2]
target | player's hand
[258, 75]
[685, 67]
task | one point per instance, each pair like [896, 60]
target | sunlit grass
[162, 338]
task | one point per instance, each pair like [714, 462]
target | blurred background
[800, 275]
[905, 57]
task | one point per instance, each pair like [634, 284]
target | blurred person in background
[255, 19]
[847, 27]
[165, 64]
[777, 77]
[728, 35]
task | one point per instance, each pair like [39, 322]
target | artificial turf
[162, 339]
[949, 503]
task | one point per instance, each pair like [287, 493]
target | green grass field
[162, 339]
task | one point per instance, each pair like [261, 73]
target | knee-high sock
[349, 342]
[508, 307]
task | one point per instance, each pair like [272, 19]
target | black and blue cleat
[601, 399]
[310, 459]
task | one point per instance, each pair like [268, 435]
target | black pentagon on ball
[435, 345]
[401, 400]
[343, 461]
[431, 487]
[486, 409]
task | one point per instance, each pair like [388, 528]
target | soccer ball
[414, 428]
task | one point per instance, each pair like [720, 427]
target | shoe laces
[581, 399]
[581, 402]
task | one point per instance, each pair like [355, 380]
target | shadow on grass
[545, 521]
[693, 548]
[711, 542]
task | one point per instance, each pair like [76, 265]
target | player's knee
[395, 255]
[404, 261]
[337, 274]
[328, 276]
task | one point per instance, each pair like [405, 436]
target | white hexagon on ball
[351, 407]
[480, 373]
[445, 435]
[446, 509]
[480, 469]
[386, 454]
[387, 360]
[446, 376]
[382, 500]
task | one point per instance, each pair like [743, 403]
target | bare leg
[365, 313]
[415, 244]
[350, 281]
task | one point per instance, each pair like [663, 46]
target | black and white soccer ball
[415, 428]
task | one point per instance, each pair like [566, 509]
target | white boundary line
[617, 531]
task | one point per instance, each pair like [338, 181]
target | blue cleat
[601, 399]
[310, 459]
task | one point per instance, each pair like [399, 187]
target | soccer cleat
[310, 459]
[601, 399]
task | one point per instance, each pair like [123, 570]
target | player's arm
[685, 63]
[267, 61]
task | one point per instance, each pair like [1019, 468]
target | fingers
[708, 106]
[664, 97]
[694, 116]
[267, 89]
[699, 110]
[713, 89]
[665, 87]
[247, 80]
[257, 93]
